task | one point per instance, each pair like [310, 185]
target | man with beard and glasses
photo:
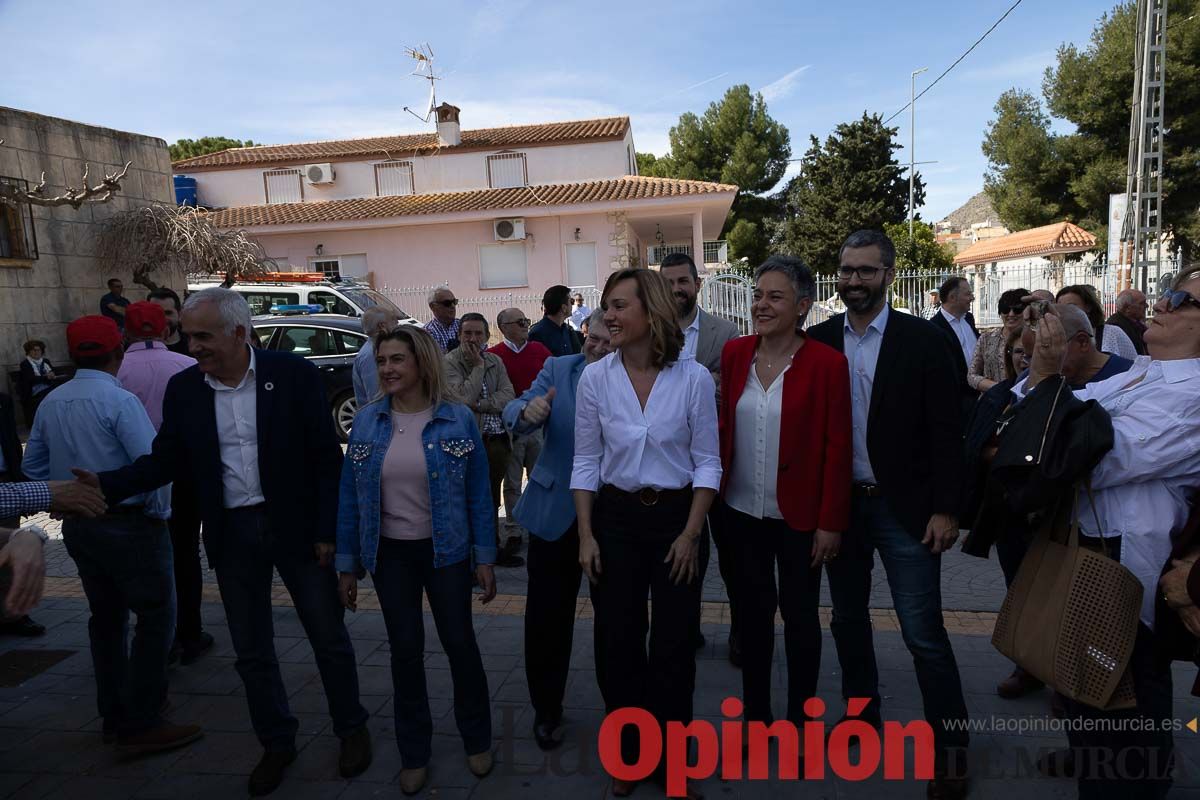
[704, 336]
[175, 340]
[907, 481]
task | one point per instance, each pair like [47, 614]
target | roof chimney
[449, 134]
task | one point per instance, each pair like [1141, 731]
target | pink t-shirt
[404, 481]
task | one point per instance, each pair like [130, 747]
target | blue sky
[302, 70]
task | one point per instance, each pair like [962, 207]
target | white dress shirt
[862, 355]
[671, 444]
[514, 347]
[1143, 485]
[690, 336]
[752, 484]
[966, 337]
[237, 436]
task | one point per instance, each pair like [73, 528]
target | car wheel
[344, 409]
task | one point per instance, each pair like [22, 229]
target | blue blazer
[547, 508]
[299, 456]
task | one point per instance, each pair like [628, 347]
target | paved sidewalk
[50, 743]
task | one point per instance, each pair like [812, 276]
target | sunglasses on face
[448, 303]
[864, 273]
[1018, 309]
[1177, 297]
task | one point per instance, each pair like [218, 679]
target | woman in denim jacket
[415, 510]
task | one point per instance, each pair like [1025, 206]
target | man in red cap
[124, 556]
[149, 364]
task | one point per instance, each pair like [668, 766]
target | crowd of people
[624, 443]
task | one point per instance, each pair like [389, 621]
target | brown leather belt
[867, 490]
[646, 496]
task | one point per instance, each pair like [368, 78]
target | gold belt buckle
[648, 496]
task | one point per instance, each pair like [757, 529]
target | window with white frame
[502, 266]
[507, 170]
[393, 178]
[329, 267]
[581, 264]
[283, 186]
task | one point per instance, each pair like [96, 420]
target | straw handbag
[1071, 615]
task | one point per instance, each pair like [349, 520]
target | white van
[345, 296]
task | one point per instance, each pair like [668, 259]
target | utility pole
[1142, 229]
[912, 143]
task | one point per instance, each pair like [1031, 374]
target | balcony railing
[716, 252]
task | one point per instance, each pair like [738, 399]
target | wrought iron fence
[729, 294]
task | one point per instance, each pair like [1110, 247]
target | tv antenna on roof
[423, 56]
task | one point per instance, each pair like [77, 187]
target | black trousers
[728, 549]
[184, 526]
[766, 544]
[499, 450]
[658, 675]
[554, 575]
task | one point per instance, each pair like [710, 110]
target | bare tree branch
[163, 238]
[101, 193]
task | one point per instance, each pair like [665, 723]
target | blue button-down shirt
[92, 423]
[365, 375]
[862, 353]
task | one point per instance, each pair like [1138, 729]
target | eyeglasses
[447, 303]
[523, 322]
[1017, 309]
[1177, 297]
[864, 273]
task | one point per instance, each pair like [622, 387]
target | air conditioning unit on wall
[509, 230]
[318, 173]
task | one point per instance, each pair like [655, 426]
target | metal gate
[729, 295]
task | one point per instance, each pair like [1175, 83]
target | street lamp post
[912, 140]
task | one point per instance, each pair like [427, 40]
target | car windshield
[365, 298]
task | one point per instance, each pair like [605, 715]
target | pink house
[515, 209]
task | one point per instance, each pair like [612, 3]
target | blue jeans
[124, 563]
[402, 570]
[914, 575]
[250, 555]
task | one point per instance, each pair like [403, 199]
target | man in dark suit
[250, 432]
[552, 329]
[908, 465]
[954, 318]
[10, 470]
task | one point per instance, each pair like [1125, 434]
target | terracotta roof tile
[629, 187]
[1061, 237]
[417, 144]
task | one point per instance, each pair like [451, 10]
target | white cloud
[781, 87]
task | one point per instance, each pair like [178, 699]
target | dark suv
[330, 341]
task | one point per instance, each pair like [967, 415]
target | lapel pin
[269, 386]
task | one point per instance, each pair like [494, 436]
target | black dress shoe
[191, 650]
[543, 734]
[22, 626]
[356, 753]
[267, 776]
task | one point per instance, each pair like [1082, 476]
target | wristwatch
[36, 530]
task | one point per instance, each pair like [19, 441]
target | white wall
[422, 255]
[446, 172]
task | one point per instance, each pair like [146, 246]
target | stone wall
[38, 298]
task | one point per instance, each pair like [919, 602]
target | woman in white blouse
[646, 469]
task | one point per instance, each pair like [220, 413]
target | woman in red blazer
[786, 455]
